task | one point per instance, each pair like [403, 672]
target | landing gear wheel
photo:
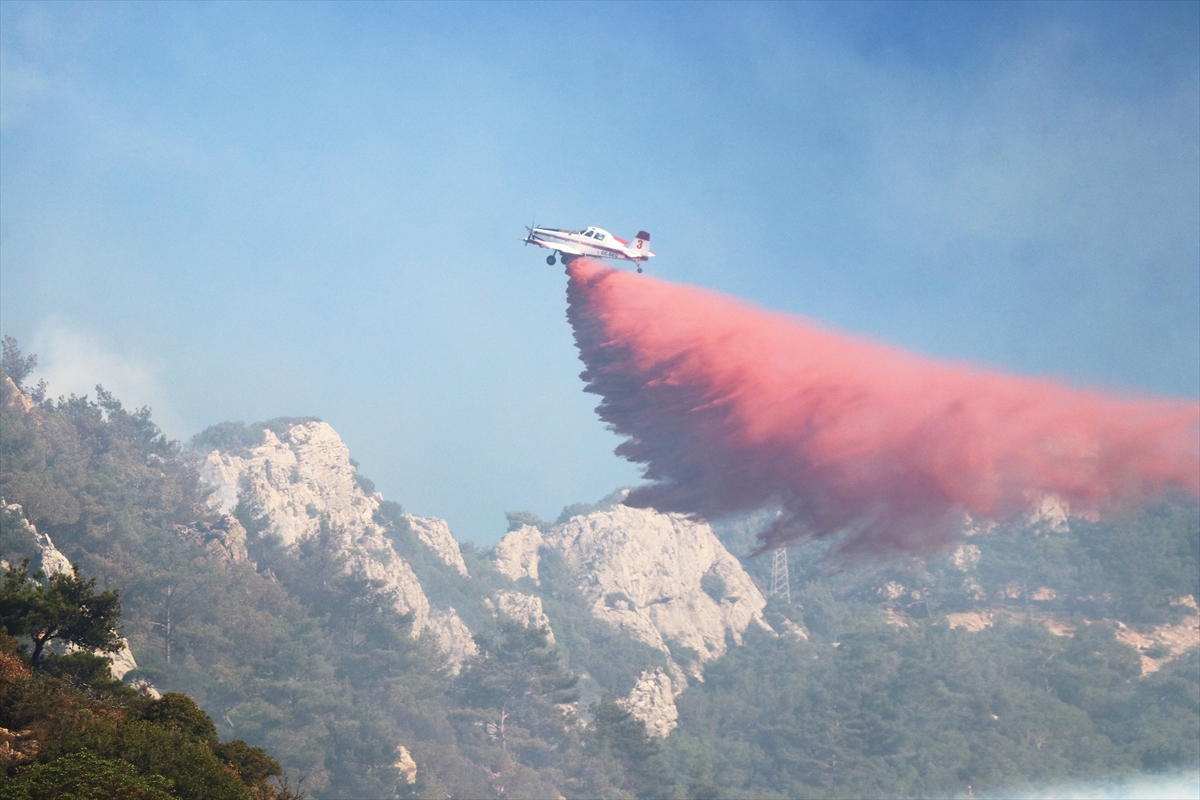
[639, 269]
[550, 260]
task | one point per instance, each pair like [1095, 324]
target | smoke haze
[731, 408]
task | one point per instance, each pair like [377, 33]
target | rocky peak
[662, 579]
[653, 702]
[665, 580]
[294, 479]
[516, 555]
[1052, 513]
[525, 609]
[299, 482]
[435, 534]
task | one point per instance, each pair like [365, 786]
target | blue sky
[242, 211]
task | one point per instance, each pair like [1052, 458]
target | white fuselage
[593, 242]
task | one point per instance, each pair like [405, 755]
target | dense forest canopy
[289, 653]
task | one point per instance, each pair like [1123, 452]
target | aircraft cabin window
[589, 233]
[599, 235]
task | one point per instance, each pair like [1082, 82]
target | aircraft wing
[562, 247]
[566, 247]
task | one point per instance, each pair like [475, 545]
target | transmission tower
[781, 585]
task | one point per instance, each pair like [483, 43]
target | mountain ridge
[299, 483]
[600, 653]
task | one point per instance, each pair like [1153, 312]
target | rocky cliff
[435, 534]
[523, 608]
[299, 483]
[663, 579]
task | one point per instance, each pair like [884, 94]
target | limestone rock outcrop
[436, 535]
[18, 398]
[53, 561]
[299, 484]
[1052, 513]
[49, 557]
[523, 608]
[653, 702]
[663, 579]
[405, 764]
[17, 747]
[224, 539]
[295, 480]
[516, 555]
[453, 637]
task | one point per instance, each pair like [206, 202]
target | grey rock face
[663, 579]
[294, 480]
[405, 764]
[644, 573]
[453, 637]
[225, 539]
[52, 561]
[436, 535]
[653, 702]
[516, 555]
[301, 484]
[523, 608]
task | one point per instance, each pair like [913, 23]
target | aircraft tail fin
[641, 243]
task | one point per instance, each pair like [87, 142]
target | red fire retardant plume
[731, 408]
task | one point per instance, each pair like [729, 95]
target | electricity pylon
[781, 585]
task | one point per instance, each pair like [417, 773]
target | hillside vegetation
[292, 655]
[1038, 651]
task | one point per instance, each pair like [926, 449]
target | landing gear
[550, 260]
[639, 269]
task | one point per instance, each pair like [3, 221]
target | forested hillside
[1049, 649]
[296, 656]
[1040, 650]
[70, 730]
[868, 709]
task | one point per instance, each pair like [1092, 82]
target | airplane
[594, 242]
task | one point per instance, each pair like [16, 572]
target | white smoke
[1170, 786]
[73, 361]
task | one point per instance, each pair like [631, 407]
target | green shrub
[85, 776]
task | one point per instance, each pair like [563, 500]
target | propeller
[530, 229]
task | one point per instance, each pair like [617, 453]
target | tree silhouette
[16, 366]
[66, 608]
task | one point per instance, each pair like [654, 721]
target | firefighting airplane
[594, 242]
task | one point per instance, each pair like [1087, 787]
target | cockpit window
[599, 235]
[589, 233]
